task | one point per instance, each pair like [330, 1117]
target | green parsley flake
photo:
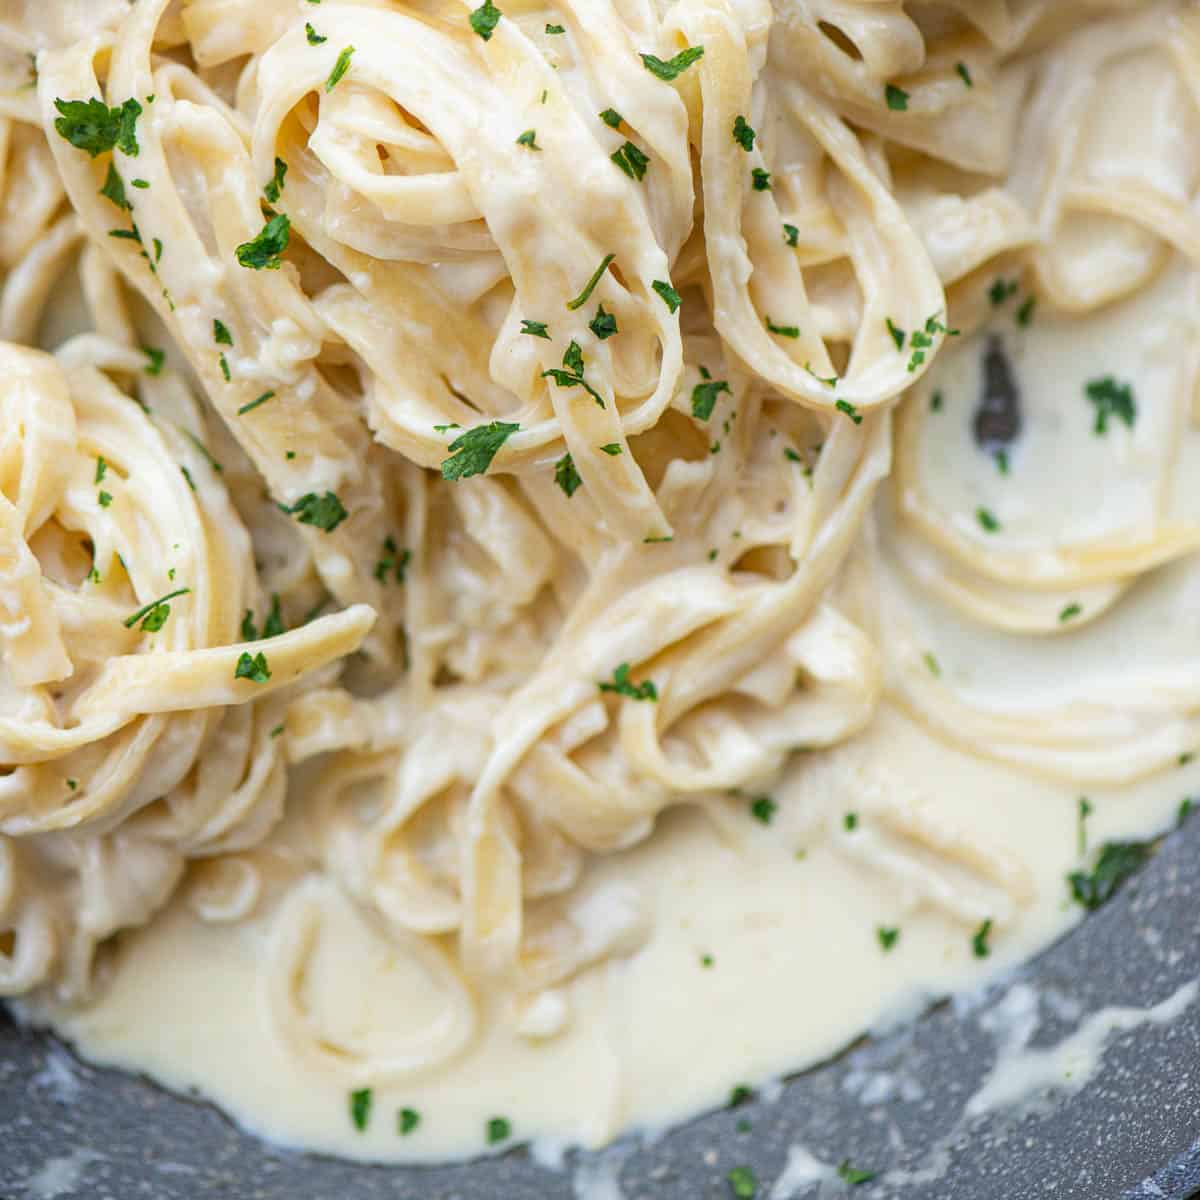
[704, 397]
[114, 188]
[264, 252]
[241, 412]
[936, 402]
[1002, 290]
[1069, 613]
[92, 126]
[392, 561]
[844, 406]
[1115, 863]
[535, 329]
[471, 453]
[854, 1175]
[898, 334]
[566, 476]
[741, 1094]
[529, 138]
[850, 822]
[1112, 399]
[791, 234]
[611, 118]
[612, 449]
[673, 67]
[221, 334]
[964, 74]
[1085, 811]
[979, 940]
[555, 30]
[140, 184]
[935, 668]
[987, 520]
[499, 1129]
[590, 286]
[1025, 312]
[632, 161]
[762, 808]
[603, 324]
[897, 98]
[339, 68]
[888, 936]
[101, 469]
[572, 375]
[326, 511]
[484, 20]
[360, 1108]
[707, 960]
[153, 616]
[254, 668]
[314, 38]
[622, 685]
[1001, 460]
[669, 296]
[407, 1119]
[760, 179]
[787, 331]
[223, 363]
[743, 133]
[155, 359]
[743, 1183]
[274, 188]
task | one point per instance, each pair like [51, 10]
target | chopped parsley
[273, 626]
[898, 334]
[223, 363]
[1112, 399]
[987, 520]
[566, 476]
[612, 449]
[611, 118]
[255, 403]
[153, 616]
[140, 184]
[897, 98]
[104, 499]
[360, 1108]
[407, 1119]
[529, 138]
[622, 685]
[274, 188]
[1115, 863]
[114, 188]
[92, 126]
[1069, 613]
[632, 161]
[1001, 290]
[935, 402]
[392, 561]
[760, 179]
[743, 1183]
[499, 1129]
[221, 334]
[484, 20]
[844, 406]
[590, 286]
[964, 74]
[854, 1175]
[788, 331]
[979, 940]
[762, 808]
[707, 960]
[326, 511]
[791, 234]
[101, 469]
[1085, 811]
[935, 668]
[669, 296]
[535, 329]
[743, 133]
[888, 936]
[1001, 460]
[154, 360]
[922, 339]
[741, 1094]
[254, 669]
[850, 822]
[264, 252]
[554, 30]
[340, 67]
[672, 68]
[314, 38]
[704, 397]
[571, 374]
[471, 453]
[603, 324]
[1025, 312]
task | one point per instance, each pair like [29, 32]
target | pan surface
[893, 1104]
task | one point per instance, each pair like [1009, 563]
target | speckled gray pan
[70, 1131]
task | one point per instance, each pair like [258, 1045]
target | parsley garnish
[922, 339]
[1085, 811]
[744, 1183]
[854, 1175]
[623, 686]
[272, 627]
[846, 407]
[221, 334]
[898, 334]
[612, 118]
[888, 936]
[1025, 312]
[101, 469]
[935, 402]
[241, 412]
[669, 296]
[360, 1108]
[223, 362]
[788, 331]
[964, 74]
[632, 161]
[275, 187]
[935, 668]
[535, 329]
[392, 561]
[673, 67]
[1115, 863]
[484, 19]
[1001, 290]
[603, 324]
[979, 940]
[499, 1129]
[554, 30]
[325, 511]
[104, 499]
[987, 520]
[897, 98]
[471, 453]
[850, 822]
[791, 234]
[114, 188]
[760, 179]
[1001, 459]
[612, 449]
[529, 138]
[92, 126]
[590, 286]
[407, 1119]
[1112, 399]
[743, 133]
[263, 253]
[153, 616]
[253, 668]
[1069, 613]
[155, 359]
[762, 808]
[339, 68]
[566, 476]
[314, 38]
[704, 397]
[140, 184]
[741, 1094]
[572, 376]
